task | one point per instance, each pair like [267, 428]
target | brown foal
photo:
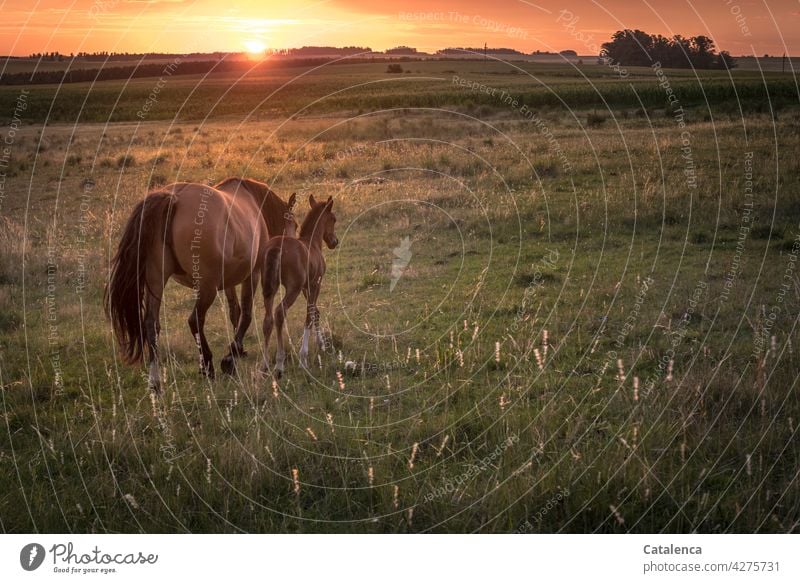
[298, 264]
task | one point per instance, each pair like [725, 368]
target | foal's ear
[292, 200]
[312, 202]
[329, 204]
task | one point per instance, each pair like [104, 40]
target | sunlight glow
[255, 47]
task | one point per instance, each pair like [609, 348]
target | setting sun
[254, 47]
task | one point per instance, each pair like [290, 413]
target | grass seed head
[414, 449]
[296, 481]
[539, 360]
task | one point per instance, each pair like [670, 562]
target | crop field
[561, 303]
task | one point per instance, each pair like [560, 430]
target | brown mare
[298, 264]
[273, 211]
[207, 238]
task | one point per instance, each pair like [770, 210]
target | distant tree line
[402, 50]
[307, 51]
[112, 56]
[481, 50]
[54, 56]
[111, 73]
[182, 67]
[632, 48]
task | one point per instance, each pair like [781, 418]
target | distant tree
[681, 52]
[702, 52]
[663, 51]
[629, 48]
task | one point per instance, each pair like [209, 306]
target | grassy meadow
[579, 315]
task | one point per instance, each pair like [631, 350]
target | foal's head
[320, 222]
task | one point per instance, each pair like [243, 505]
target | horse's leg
[280, 319]
[197, 321]
[248, 292]
[312, 320]
[234, 310]
[156, 275]
[152, 328]
[236, 348]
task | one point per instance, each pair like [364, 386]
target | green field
[354, 89]
[596, 329]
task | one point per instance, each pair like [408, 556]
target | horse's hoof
[237, 350]
[228, 365]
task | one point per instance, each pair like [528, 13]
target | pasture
[575, 313]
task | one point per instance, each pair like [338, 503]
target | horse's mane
[272, 206]
[258, 189]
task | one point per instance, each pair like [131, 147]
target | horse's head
[327, 221]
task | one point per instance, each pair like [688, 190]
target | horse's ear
[292, 200]
[312, 201]
[329, 204]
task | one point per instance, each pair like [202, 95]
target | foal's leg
[236, 348]
[280, 319]
[312, 322]
[313, 296]
[197, 321]
[269, 295]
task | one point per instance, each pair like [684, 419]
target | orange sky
[183, 26]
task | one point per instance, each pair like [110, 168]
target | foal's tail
[125, 292]
[271, 279]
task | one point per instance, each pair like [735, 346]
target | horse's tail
[271, 280]
[126, 290]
